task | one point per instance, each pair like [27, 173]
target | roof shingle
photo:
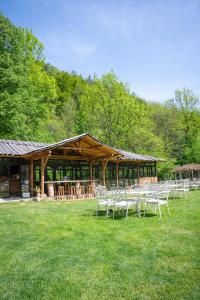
[10, 147]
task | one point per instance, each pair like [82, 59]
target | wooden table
[77, 183]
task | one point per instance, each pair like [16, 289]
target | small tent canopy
[187, 168]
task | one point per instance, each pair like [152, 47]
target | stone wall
[143, 180]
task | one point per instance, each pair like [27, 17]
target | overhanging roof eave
[113, 152]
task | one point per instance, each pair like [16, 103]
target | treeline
[39, 102]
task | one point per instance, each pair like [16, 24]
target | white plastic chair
[156, 200]
[121, 202]
[101, 195]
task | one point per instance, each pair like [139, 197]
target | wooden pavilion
[188, 171]
[24, 165]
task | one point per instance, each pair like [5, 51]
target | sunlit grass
[61, 250]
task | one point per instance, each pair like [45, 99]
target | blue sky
[153, 45]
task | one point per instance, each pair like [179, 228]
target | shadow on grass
[118, 215]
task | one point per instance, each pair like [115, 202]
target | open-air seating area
[123, 200]
[194, 183]
[142, 197]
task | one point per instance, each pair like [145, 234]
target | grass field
[61, 250]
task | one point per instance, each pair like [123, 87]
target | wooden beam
[99, 145]
[70, 157]
[81, 158]
[31, 177]
[46, 160]
[37, 156]
[104, 165]
[65, 151]
[80, 150]
[72, 148]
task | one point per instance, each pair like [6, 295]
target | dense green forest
[41, 103]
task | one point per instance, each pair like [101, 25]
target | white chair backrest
[100, 192]
[164, 194]
[118, 194]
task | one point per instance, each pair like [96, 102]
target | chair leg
[97, 211]
[137, 207]
[159, 211]
[168, 209]
[139, 212]
[107, 210]
[126, 213]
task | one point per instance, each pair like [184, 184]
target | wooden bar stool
[72, 194]
[61, 192]
[90, 191]
[67, 189]
[82, 192]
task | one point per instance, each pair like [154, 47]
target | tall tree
[185, 107]
[24, 85]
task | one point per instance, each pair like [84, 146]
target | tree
[40, 102]
[106, 109]
[25, 87]
[185, 108]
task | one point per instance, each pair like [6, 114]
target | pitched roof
[10, 147]
[84, 144]
[20, 148]
[74, 139]
[137, 157]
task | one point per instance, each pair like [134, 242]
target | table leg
[78, 185]
[138, 207]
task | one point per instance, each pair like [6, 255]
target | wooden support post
[104, 165]
[31, 177]
[138, 173]
[42, 177]
[117, 174]
[91, 171]
[44, 161]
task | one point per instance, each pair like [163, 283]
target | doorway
[14, 184]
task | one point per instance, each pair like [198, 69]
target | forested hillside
[41, 103]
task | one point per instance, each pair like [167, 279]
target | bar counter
[52, 190]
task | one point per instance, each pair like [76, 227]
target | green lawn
[61, 250]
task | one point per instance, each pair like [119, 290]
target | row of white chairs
[122, 201]
[194, 183]
[178, 188]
